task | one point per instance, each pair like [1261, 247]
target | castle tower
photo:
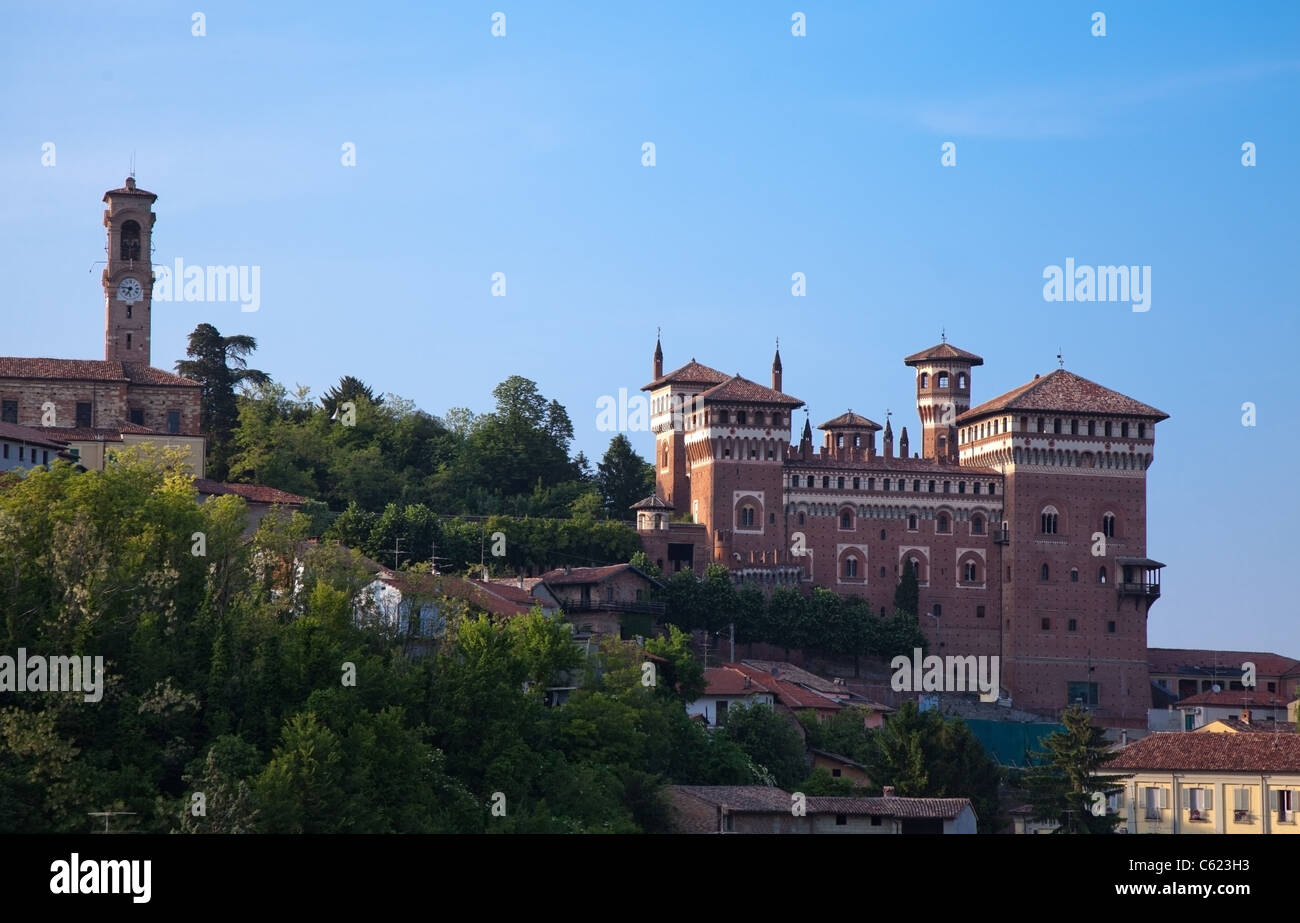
[943, 376]
[776, 369]
[128, 276]
[675, 411]
[1078, 585]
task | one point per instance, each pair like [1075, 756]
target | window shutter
[1242, 796]
[1209, 799]
[1187, 797]
[1164, 801]
[1272, 799]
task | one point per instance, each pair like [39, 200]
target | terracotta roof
[129, 188]
[753, 798]
[1065, 392]
[690, 373]
[745, 391]
[730, 681]
[790, 673]
[28, 434]
[837, 757]
[1234, 698]
[652, 502]
[1179, 751]
[253, 493]
[787, 693]
[1256, 726]
[137, 373]
[88, 434]
[850, 420]
[486, 596]
[893, 806]
[943, 350]
[579, 575]
[1193, 661]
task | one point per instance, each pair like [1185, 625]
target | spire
[889, 436]
[776, 367]
[659, 357]
[902, 444]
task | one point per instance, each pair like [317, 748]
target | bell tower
[128, 275]
[943, 374]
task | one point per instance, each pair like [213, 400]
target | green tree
[907, 593]
[348, 388]
[220, 365]
[1065, 784]
[623, 477]
[770, 741]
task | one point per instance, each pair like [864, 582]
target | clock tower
[128, 276]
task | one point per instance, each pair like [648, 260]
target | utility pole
[434, 559]
[733, 642]
[397, 553]
[106, 815]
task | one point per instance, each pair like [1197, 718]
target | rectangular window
[21, 452]
[841, 820]
[9, 411]
[173, 421]
[721, 714]
[1072, 625]
[6, 454]
[979, 612]
[1240, 804]
[857, 483]
[1284, 803]
[1045, 624]
[84, 415]
[1081, 694]
[1155, 802]
[826, 483]
[136, 415]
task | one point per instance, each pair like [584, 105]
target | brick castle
[1024, 517]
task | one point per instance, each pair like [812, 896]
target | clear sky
[775, 154]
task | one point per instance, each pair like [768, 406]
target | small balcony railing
[1147, 590]
[613, 605]
[1001, 536]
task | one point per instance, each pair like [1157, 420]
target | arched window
[1101, 574]
[911, 523]
[925, 379]
[1048, 520]
[1044, 572]
[747, 516]
[794, 480]
[801, 519]
[943, 522]
[882, 573]
[961, 381]
[130, 245]
[916, 567]
[846, 520]
[977, 524]
[1108, 525]
[969, 573]
[1074, 575]
[941, 380]
[850, 566]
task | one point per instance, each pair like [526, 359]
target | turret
[943, 379]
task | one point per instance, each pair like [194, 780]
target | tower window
[947, 486]
[961, 487]
[1045, 624]
[1048, 521]
[1074, 575]
[977, 524]
[1108, 525]
[943, 522]
[850, 566]
[840, 483]
[1123, 429]
[1108, 427]
[846, 520]
[976, 487]
[882, 573]
[128, 341]
[771, 519]
[857, 483]
[128, 312]
[916, 486]
[1072, 625]
[130, 241]
[1101, 574]
[968, 572]
[1044, 573]
[961, 381]
[801, 519]
[925, 379]
[747, 516]
[942, 380]
[911, 523]
[993, 488]
[1041, 425]
[1056, 425]
[1110, 628]
[932, 487]
[794, 480]
[886, 482]
[1142, 431]
[979, 612]
[826, 482]
[938, 610]
[84, 415]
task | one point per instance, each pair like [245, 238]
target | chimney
[888, 791]
[521, 580]
[776, 369]
[1245, 716]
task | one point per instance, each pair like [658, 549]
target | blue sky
[775, 154]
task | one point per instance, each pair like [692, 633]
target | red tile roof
[1221, 663]
[787, 693]
[253, 493]
[28, 434]
[751, 798]
[943, 350]
[1256, 725]
[652, 502]
[579, 575]
[137, 373]
[129, 188]
[742, 390]
[1179, 751]
[850, 420]
[893, 806]
[690, 373]
[1234, 698]
[1065, 392]
[730, 681]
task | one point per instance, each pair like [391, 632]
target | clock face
[129, 291]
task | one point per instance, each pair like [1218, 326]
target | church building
[91, 406]
[1024, 517]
